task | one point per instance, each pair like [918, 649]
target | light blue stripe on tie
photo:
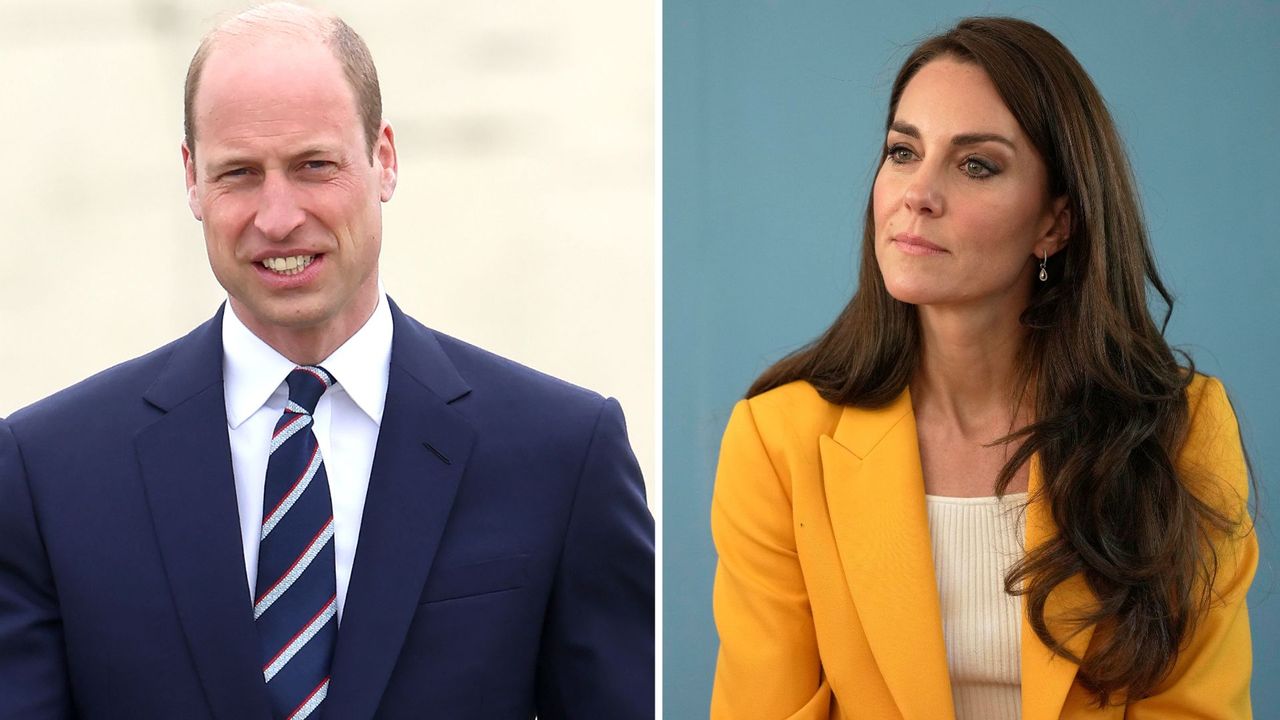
[311, 703]
[295, 646]
[269, 523]
[295, 572]
[289, 430]
[321, 374]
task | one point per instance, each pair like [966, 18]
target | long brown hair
[1109, 394]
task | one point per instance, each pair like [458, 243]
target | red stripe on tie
[308, 699]
[295, 562]
[298, 634]
[323, 380]
[292, 487]
[282, 428]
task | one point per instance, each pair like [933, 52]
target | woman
[989, 490]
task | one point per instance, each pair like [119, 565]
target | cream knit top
[975, 542]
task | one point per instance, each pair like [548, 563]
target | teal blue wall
[772, 115]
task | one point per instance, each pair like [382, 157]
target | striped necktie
[296, 604]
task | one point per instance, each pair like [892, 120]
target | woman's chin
[915, 292]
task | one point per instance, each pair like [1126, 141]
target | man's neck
[308, 345]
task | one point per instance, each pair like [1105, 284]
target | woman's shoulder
[1206, 394]
[1212, 418]
[795, 411]
[1212, 445]
[771, 442]
[780, 429]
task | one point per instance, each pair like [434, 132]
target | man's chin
[296, 315]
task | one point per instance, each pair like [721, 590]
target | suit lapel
[875, 490]
[1046, 677]
[185, 459]
[423, 446]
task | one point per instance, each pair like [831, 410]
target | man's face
[283, 182]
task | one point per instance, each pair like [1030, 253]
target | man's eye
[236, 172]
[317, 164]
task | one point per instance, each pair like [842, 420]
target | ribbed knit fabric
[975, 542]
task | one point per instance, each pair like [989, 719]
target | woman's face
[961, 203]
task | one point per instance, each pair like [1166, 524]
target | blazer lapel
[875, 490]
[1046, 677]
[185, 459]
[423, 446]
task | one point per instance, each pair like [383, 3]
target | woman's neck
[969, 370]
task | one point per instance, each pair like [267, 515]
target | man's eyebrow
[959, 140]
[214, 166]
[217, 165]
[316, 150]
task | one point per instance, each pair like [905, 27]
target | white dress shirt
[346, 422]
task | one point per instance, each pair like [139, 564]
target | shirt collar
[253, 370]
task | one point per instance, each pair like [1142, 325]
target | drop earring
[1044, 274]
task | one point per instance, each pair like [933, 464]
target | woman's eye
[975, 168]
[899, 154]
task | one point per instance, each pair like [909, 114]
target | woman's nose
[922, 194]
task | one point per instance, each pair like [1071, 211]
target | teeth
[288, 265]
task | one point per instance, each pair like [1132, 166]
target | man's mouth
[288, 265]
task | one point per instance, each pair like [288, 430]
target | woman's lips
[916, 245]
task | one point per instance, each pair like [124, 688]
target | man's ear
[189, 166]
[384, 156]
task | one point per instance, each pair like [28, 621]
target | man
[312, 505]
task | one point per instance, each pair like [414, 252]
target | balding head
[284, 21]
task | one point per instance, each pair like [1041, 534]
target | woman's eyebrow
[910, 130]
[905, 128]
[975, 138]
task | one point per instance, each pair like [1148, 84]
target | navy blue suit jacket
[504, 566]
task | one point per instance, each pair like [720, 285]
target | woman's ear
[1059, 232]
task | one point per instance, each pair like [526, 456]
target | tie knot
[306, 384]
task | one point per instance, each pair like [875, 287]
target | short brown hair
[348, 47]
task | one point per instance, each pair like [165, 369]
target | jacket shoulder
[483, 368]
[1207, 401]
[484, 386]
[781, 429]
[1212, 454]
[791, 415]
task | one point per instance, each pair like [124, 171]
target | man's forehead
[273, 79]
[241, 55]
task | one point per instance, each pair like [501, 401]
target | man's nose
[279, 212]
[923, 193]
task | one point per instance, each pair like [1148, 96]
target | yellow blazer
[825, 595]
